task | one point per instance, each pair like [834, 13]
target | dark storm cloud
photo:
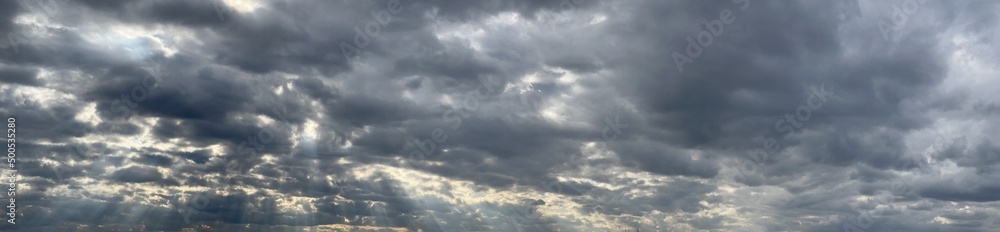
[137, 174]
[52, 122]
[259, 102]
[712, 93]
[18, 75]
[197, 156]
[658, 159]
[950, 191]
[155, 160]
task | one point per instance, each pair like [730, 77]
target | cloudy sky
[520, 115]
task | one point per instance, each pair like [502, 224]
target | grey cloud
[257, 101]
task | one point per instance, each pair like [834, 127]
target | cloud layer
[556, 115]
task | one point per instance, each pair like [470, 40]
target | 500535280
[10, 174]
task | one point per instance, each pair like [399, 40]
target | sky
[518, 115]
